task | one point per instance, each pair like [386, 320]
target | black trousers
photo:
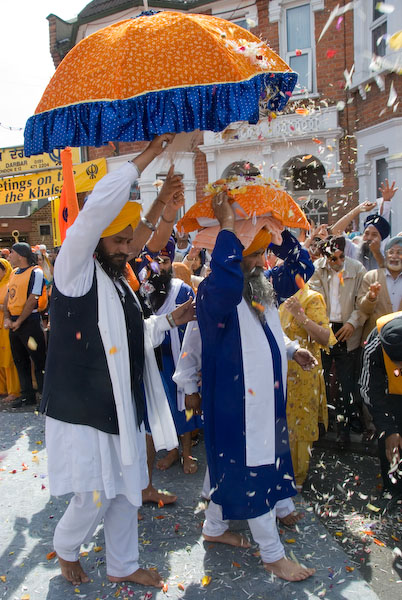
[346, 365]
[23, 349]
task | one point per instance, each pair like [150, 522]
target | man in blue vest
[99, 364]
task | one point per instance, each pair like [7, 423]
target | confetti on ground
[51, 555]
[206, 580]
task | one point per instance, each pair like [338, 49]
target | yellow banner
[50, 183]
[14, 161]
[55, 204]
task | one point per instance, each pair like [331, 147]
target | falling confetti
[395, 41]
[339, 23]
[331, 53]
[299, 281]
[113, 350]
[384, 8]
[337, 12]
[392, 95]
[258, 306]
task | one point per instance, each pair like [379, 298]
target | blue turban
[381, 224]
[169, 249]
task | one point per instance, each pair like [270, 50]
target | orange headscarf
[129, 215]
[261, 240]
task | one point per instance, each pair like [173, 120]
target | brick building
[330, 158]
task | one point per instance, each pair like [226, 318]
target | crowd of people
[149, 339]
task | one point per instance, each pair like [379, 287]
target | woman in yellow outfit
[9, 382]
[304, 318]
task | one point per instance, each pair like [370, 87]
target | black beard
[258, 289]
[161, 282]
[113, 270]
[365, 248]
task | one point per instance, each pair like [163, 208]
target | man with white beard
[244, 364]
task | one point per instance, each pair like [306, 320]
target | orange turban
[129, 215]
[261, 240]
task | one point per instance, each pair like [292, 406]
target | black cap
[391, 339]
[24, 249]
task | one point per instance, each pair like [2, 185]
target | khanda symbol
[92, 171]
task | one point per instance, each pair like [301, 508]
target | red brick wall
[52, 41]
[42, 216]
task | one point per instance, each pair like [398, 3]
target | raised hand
[160, 142]
[367, 206]
[374, 290]
[387, 191]
[172, 186]
[223, 211]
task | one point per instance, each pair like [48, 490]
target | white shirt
[394, 287]
[336, 312]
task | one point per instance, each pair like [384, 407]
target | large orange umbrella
[157, 73]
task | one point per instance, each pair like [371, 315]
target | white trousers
[263, 529]
[283, 507]
[80, 520]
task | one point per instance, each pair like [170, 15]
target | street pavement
[170, 539]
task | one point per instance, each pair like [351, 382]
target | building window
[45, 230]
[316, 210]
[381, 174]
[378, 31]
[242, 23]
[299, 46]
[241, 167]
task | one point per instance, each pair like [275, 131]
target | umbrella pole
[145, 3]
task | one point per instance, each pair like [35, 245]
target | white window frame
[373, 183]
[373, 26]
[277, 13]
[309, 52]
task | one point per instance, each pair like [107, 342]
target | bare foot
[229, 537]
[73, 571]
[10, 398]
[167, 461]
[291, 519]
[289, 570]
[150, 494]
[189, 465]
[142, 576]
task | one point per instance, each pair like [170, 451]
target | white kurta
[82, 458]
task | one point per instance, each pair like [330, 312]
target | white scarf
[111, 323]
[167, 307]
[259, 390]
